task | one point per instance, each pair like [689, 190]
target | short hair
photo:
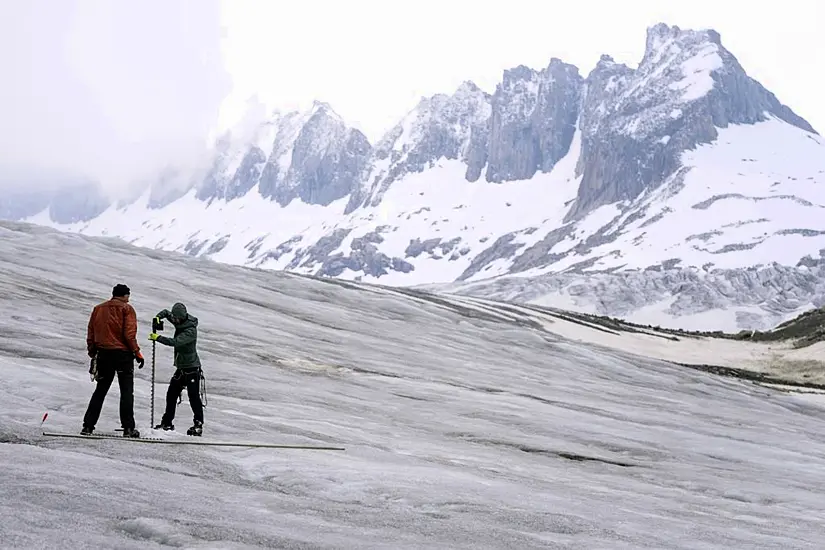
[120, 290]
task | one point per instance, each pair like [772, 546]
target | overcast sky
[373, 59]
[116, 89]
[108, 89]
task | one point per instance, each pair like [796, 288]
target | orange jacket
[112, 325]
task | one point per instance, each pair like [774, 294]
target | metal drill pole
[152, 422]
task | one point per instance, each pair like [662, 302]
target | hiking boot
[131, 432]
[86, 430]
[165, 427]
[197, 429]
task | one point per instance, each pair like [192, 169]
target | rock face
[171, 185]
[17, 205]
[312, 156]
[77, 204]
[326, 160]
[67, 203]
[533, 120]
[636, 123]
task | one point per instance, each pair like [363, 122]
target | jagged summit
[468, 87]
[685, 86]
[323, 108]
[310, 154]
[660, 34]
[440, 127]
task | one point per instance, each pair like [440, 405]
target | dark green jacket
[185, 343]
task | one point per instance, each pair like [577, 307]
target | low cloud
[107, 91]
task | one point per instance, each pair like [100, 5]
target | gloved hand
[139, 358]
[93, 368]
[153, 336]
[163, 314]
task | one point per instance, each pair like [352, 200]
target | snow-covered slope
[683, 162]
[756, 194]
[466, 424]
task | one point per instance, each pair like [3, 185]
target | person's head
[122, 292]
[178, 313]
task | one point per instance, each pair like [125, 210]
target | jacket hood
[190, 321]
[179, 310]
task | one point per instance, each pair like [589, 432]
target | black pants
[109, 364]
[191, 381]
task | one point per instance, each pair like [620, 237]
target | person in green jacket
[187, 365]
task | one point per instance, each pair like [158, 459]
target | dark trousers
[191, 381]
[109, 364]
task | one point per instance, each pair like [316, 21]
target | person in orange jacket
[111, 342]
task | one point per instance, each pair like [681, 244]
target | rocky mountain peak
[316, 157]
[660, 35]
[453, 127]
[557, 66]
[533, 120]
[311, 154]
[457, 112]
[321, 127]
[323, 110]
[468, 88]
[636, 123]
